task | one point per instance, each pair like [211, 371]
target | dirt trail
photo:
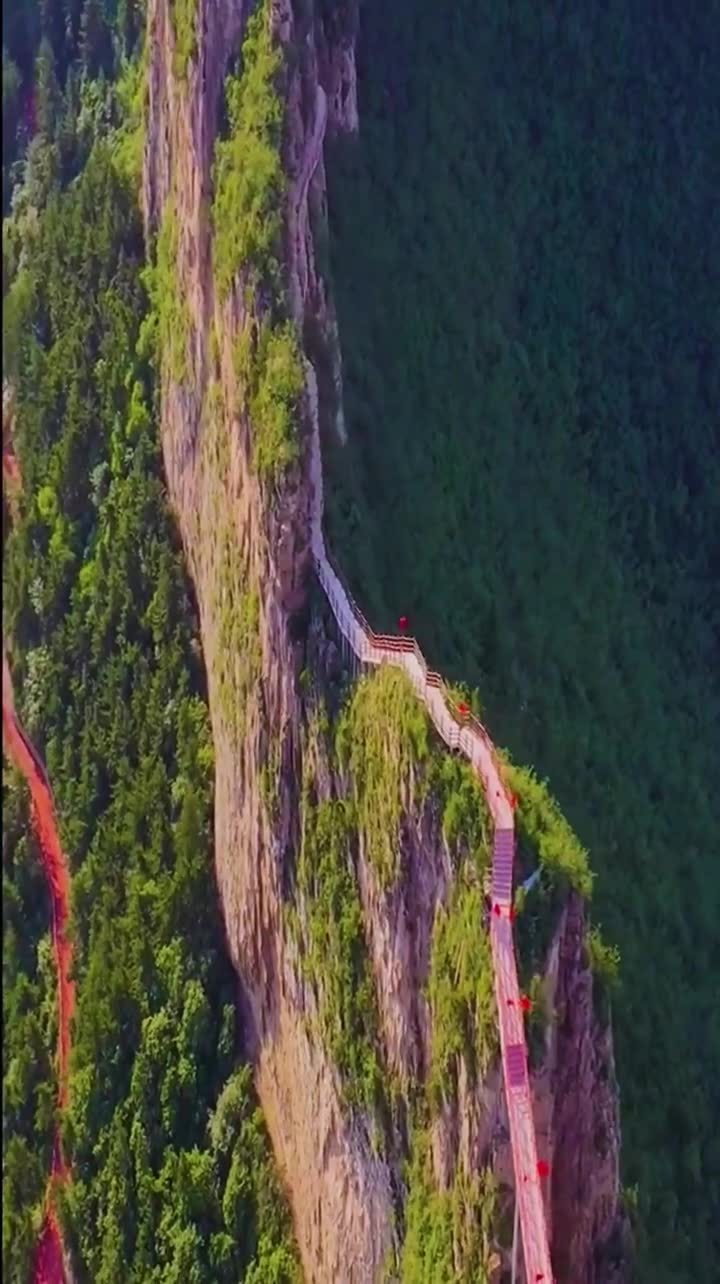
[48, 1266]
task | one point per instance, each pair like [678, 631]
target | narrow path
[469, 737]
[48, 1267]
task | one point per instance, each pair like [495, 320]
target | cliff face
[344, 1189]
[340, 1192]
[590, 1231]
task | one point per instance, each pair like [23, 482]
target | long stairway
[470, 738]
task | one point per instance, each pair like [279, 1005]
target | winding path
[468, 736]
[48, 1267]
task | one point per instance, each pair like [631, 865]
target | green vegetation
[525, 259]
[381, 735]
[604, 960]
[449, 1234]
[461, 992]
[183, 15]
[249, 185]
[248, 175]
[464, 815]
[131, 91]
[384, 752]
[327, 919]
[391, 765]
[29, 1033]
[542, 827]
[172, 1177]
[460, 985]
[336, 958]
[274, 391]
[60, 62]
[168, 306]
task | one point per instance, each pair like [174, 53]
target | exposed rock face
[589, 1227]
[341, 1191]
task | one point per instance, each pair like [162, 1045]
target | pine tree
[95, 46]
[48, 97]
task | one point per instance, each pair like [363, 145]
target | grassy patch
[460, 991]
[278, 383]
[183, 15]
[382, 734]
[464, 816]
[131, 91]
[336, 958]
[247, 173]
[541, 825]
[449, 1234]
[247, 211]
[171, 314]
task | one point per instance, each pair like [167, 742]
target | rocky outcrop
[343, 1193]
[340, 1191]
[590, 1230]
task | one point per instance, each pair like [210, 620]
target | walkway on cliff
[468, 736]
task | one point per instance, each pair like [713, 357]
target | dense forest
[172, 1173]
[526, 265]
[526, 269]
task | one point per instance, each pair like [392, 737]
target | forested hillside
[527, 270]
[172, 1177]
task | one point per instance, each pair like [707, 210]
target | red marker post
[403, 623]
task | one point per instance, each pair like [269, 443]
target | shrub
[247, 174]
[381, 734]
[460, 991]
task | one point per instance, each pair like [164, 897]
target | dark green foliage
[526, 260]
[59, 57]
[29, 1033]
[167, 1184]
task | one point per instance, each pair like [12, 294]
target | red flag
[525, 1003]
[402, 623]
[543, 1168]
[462, 709]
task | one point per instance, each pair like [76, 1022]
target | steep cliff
[248, 550]
[366, 998]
